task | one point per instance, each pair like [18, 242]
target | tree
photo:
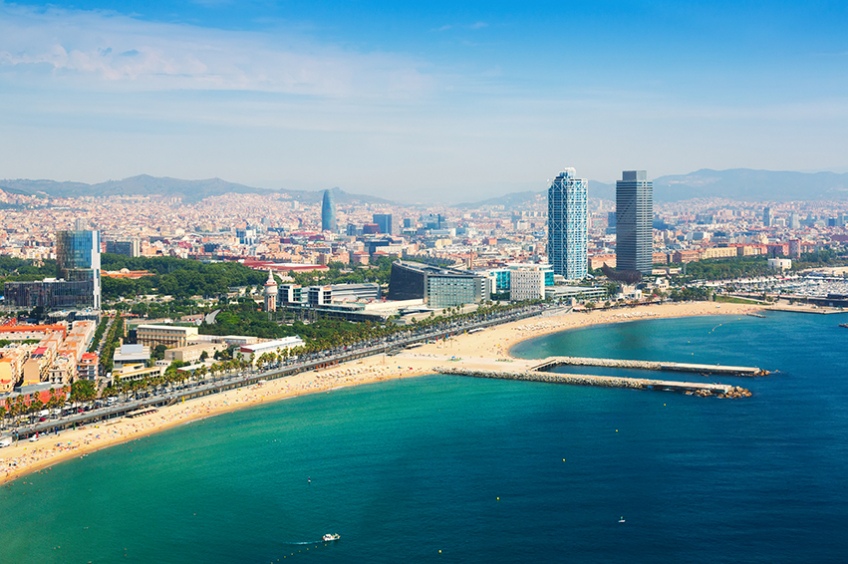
[83, 390]
[158, 352]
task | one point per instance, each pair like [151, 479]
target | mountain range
[741, 184]
[188, 190]
[736, 184]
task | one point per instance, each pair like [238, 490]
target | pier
[657, 366]
[691, 388]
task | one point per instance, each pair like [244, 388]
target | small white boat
[331, 537]
[621, 520]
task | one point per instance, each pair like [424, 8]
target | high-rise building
[384, 222]
[567, 225]
[767, 217]
[78, 260]
[328, 213]
[794, 221]
[634, 202]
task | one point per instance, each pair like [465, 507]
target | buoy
[616, 430]
[440, 551]
[497, 498]
[563, 460]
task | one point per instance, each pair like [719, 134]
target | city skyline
[450, 102]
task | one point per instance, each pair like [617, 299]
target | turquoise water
[484, 471]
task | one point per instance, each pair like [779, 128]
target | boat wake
[304, 543]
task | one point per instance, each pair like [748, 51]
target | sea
[453, 469]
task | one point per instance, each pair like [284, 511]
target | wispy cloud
[472, 26]
[97, 49]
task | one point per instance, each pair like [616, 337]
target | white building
[255, 351]
[779, 263]
[168, 335]
[526, 282]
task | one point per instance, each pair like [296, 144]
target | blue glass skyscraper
[568, 214]
[78, 260]
[328, 213]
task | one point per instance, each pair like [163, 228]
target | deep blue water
[485, 471]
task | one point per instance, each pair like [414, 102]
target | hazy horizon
[438, 102]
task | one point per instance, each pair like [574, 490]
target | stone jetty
[690, 388]
[657, 366]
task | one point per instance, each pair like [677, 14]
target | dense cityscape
[123, 302]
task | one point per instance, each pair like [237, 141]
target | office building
[567, 225]
[130, 248]
[49, 294]
[439, 287]
[78, 260]
[767, 217]
[328, 213]
[78, 271]
[634, 201]
[384, 222]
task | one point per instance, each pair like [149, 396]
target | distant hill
[189, 190]
[735, 184]
[752, 185]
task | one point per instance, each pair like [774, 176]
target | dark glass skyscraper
[328, 213]
[384, 222]
[78, 260]
[568, 214]
[634, 207]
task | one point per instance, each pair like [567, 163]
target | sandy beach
[481, 348]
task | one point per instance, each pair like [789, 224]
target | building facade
[634, 204]
[567, 225]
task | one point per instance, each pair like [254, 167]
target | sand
[482, 349]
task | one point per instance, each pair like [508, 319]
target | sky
[431, 102]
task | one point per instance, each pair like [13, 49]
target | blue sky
[429, 101]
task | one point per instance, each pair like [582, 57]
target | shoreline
[491, 344]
